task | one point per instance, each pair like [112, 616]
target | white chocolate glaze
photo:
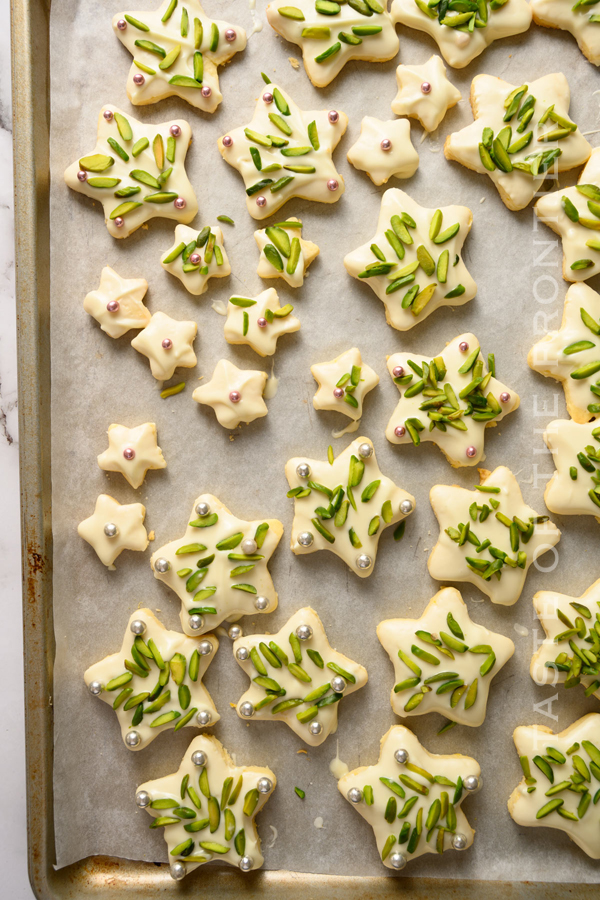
[227, 379]
[228, 601]
[308, 253]
[129, 519]
[195, 280]
[293, 687]
[564, 495]
[429, 108]
[368, 155]
[164, 360]
[328, 374]
[129, 293]
[562, 14]
[147, 454]
[447, 561]
[241, 326]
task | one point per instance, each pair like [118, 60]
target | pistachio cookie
[425, 93]
[113, 528]
[117, 305]
[344, 382]
[259, 321]
[167, 344]
[384, 149]
[236, 395]
[132, 451]
[283, 252]
[195, 257]
[580, 18]
[574, 489]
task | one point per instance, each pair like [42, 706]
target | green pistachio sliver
[165, 719]
[136, 23]
[291, 12]
[548, 808]
[124, 208]
[161, 197]
[103, 182]
[214, 37]
[170, 58]
[97, 162]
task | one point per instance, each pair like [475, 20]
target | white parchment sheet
[97, 381]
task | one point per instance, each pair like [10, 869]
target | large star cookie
[176, 52]
[236, 395]
[344, 505]
[218, 569]
[384, 149]
[488, 537]
[425, 92]
[136, 172]
[561, 779]
[113, 528]
[167, 343]
[574, 489]
[411, 798]
[574, 214]
[154, 683]
[519, 134]
[283, 252]
[207, 808]
[449, 399]
[572, 354]
[197, 256]
[413, 262]
[117, 304]
[285, 152]
[344, 382]
[443, 661]
[331, 34]
[580, 18]
[132, 451]
[298, 678]
[259, 321]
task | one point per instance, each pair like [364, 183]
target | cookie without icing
[344, 505]
[117, 304]
[488, 537]
[136, 172]
[453, 390]
[344, 382]
[425, 93]
[298, 678]
[552, 763]
[176, 51]
[113, 528]
[132, 451]
[259, 321]
[283, 252]
[218, 569]
[574, 489]
[236, 395]
[384, 149]
[511, 137]
[413, 262]
[443, 661]
[167, 343]
[197, 256]
[330, 34]
[154, 683]
[285, 152]
[411, 798]
[208, 808]
[581, 19]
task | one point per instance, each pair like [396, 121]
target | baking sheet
[97, 381]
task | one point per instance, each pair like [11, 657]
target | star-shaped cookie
[413, 262]
[297, 677]
[572, 354]
[561, 779]
[218, 569]
[425, 93]
[197, 256]
[463, 33]
[283, 252]
[411, 798]
[574, 489]
[488, 537]
[117, 304]
[453, 390]
[136, 172]
[330, 34]
[259, 321]
[113, 528]
[570, 652]
[285, 152]
[344, 505]
[443, 661]
[574, 214]
[154, 683]
[520, 133]
[581, 19]
[176, 51]
[208, 807]
[344, 382]
[236, 395]
[168, 344]
[132, 451]
[384, 149]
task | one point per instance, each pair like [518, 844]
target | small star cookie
[581, 19]
[218, 569]
[132, 451]
[411, 798]
[113, 528]
[344, 382]
[298, 678]
[453, 390]
[361, 503]
[423, 651]
[167, 343]
[330, 34]
[425, 93]
[259, 321]
[565, 769]
[176, 53]
[574, 489]
[117, 304]
[283, 253]
[236, 395]
[384, 149]
[418, 249]
[136, 172]
[185, 258]
[494, 556]
[154, 683]
[519, 134]
[201, 826]
[285, 152]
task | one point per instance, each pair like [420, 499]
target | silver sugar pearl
[397, 860]
[305, 538]
[246, 863]
[459, 841]
[142, 799]
[242, 653]
[138, 626]
[177, 871]
[235, 632]
[304, 632]
[401, 756]
[471, 783]
[199, 758]
[303, 470]
[363, 561]
[132, 738]
[261, 603]
[202, 508]
[111, 530]
[195, 622]
[354, 795]
[204, 717]
[246, 709]
[162, 565]
[204, 648]
[315, 727]
[264, 785]
[406, 507]
[95, 687]
[365, 450]
[249, 546]
[338, 684]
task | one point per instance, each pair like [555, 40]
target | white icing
[318, 823]
[337, 766]
[129, 519]
[349, 429]
[429, 108]
[328, 374]
[196, 281]
[263, 340]
[367, 154]
[164, 361]
[249, 383]
[271, 387]
[128, 293]
[563, 495]
[308, 253]
[562, 14]
[142, 440]
[219, 307]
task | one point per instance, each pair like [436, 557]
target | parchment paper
[97, 381]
